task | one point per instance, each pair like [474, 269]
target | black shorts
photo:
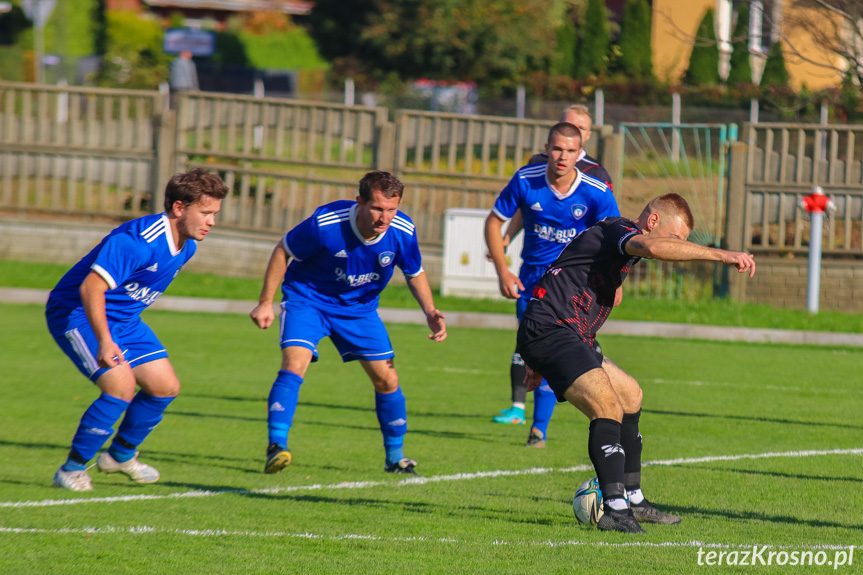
[557, 353]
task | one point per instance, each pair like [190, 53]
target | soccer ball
[587, 502]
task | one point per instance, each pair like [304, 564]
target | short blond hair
[579, 110]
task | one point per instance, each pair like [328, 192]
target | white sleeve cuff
[500, 215]
[288, 249]
[103, 273]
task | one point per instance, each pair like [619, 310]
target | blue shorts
[76, 338]
[529, 278]
[355, 335]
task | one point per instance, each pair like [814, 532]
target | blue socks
[143, 415]
[96, 427]
[392, 417]
[544, 401]
[281, 406]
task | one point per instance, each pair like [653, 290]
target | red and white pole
[816, 204]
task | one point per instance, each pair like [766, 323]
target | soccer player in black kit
[557, 338]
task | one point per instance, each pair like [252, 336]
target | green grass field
[486, 504]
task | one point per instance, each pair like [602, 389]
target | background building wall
[675, 23]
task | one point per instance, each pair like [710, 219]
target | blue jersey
[138, 260]
[552, 220]
[332, 264]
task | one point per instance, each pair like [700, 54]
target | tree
[133, 57]
[636, 59]
[491, 43]
[563, 62]
[741, 67]
[704, 61]
[594, 41]
[834, 30]
[775, 73]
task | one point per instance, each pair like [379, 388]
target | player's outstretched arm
[677, 250]
[508, 282]
[92, 292]
[419, 286]
[263, 314]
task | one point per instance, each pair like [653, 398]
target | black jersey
[585, 165]
[577, 290]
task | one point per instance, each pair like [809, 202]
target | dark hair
[384, 182]
[188, 187]
[566, 130]
[672, 204]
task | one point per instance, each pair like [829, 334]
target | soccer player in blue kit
[94, 316]
[332, 267]
[556, 201]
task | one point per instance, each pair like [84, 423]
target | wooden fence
[278, 131]
[79, 150]
[785, 162]
[98, 152]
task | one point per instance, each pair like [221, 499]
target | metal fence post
[519, 101]
[675, 129]
[599, 107]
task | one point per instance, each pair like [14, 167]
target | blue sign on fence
[198, 42]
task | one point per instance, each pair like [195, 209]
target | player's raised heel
[623, 521]
[405, 466]
[536, 439]
[512, 416]
[137, 471]
[278, 458]
[73, 480]
[645, 512]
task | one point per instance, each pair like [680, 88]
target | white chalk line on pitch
[789, 388]
[418, 480]
[149, 530]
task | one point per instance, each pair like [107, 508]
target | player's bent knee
[611, 410]
[636, 400]
[386, 385]
[118, 383]
[296, 360]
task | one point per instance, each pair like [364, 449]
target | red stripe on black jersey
[578, 288]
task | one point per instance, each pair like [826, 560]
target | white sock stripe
[419, 480]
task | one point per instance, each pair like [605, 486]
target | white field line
[417, 480]
[149, 530]
[787, 388]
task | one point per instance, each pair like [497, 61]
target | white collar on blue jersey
[574, 185]
[169, 235]
[354, 227]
